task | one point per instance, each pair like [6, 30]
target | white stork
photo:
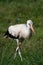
[19, 32]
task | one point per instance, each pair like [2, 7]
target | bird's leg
[17, 45]
[18, 49]
[19, 52]
[20, 45]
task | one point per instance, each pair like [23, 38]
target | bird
[20, 32]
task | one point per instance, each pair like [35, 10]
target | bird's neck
[28, 27]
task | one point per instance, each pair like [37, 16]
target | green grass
[19, 11]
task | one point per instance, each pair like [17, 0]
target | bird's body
[18, 32]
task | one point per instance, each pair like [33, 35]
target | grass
[14, 12]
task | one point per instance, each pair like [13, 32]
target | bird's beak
[32, 29]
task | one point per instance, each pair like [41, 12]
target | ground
[16, 11]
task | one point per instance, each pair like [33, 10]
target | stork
[19, 32]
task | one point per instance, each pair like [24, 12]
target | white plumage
[23, 30]
[19, 31]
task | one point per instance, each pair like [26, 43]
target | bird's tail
[6, 34]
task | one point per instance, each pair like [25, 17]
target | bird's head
[30, 25]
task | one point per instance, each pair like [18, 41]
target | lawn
[19, 11]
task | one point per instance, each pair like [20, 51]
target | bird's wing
[15, 29]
